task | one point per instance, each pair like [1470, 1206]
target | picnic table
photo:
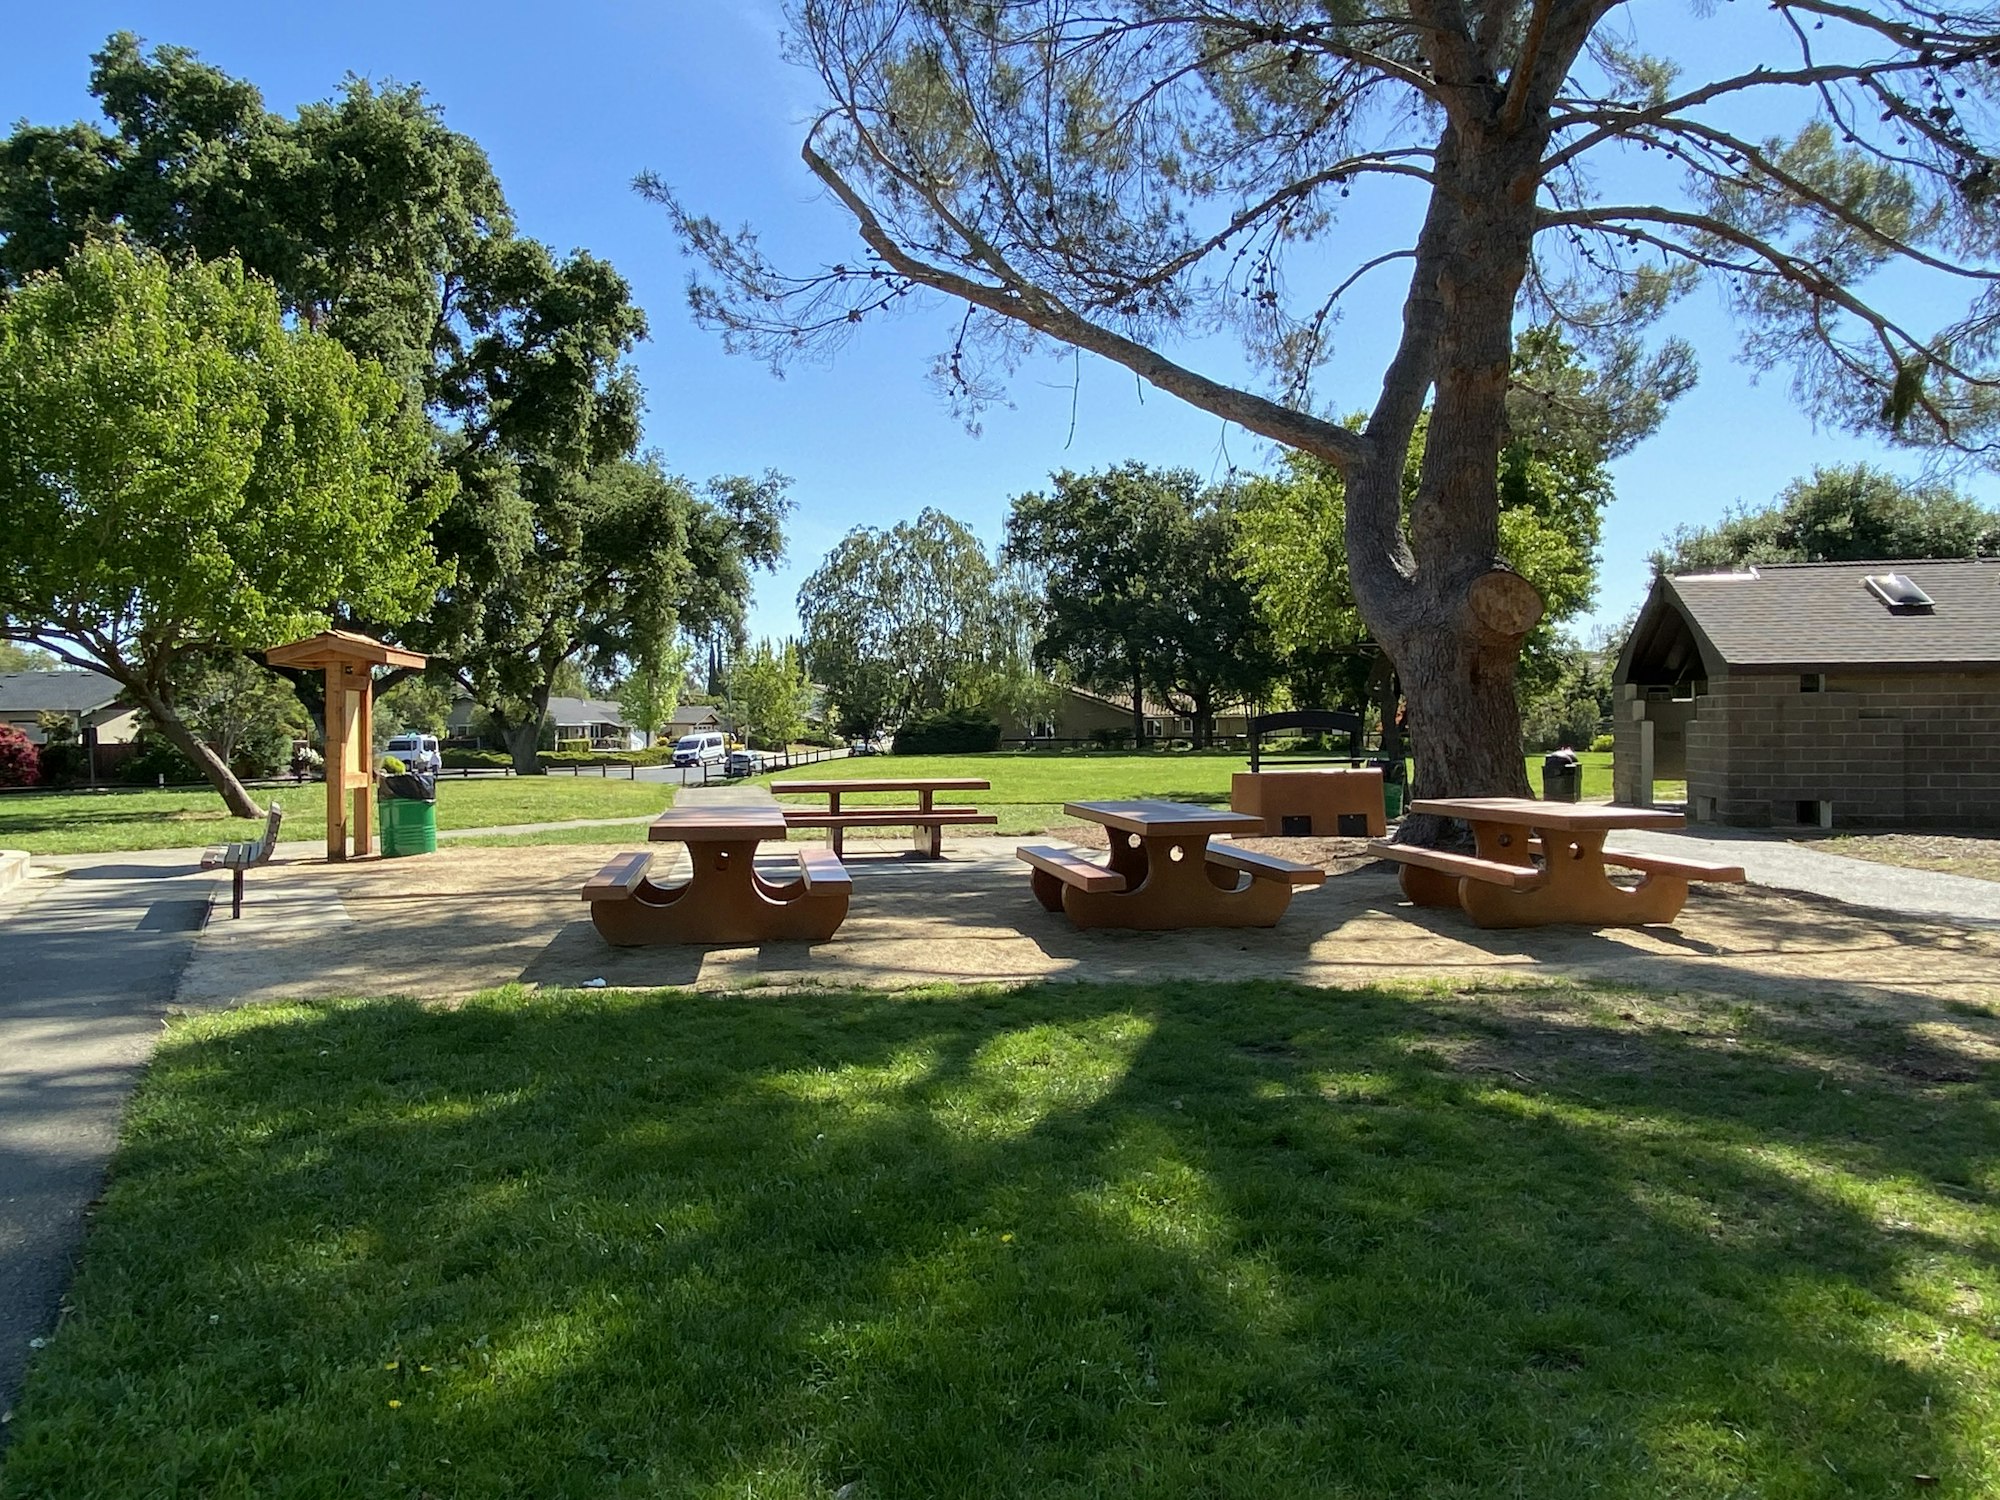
[1544, 862]
[725, 898]
[1163, 873]
[926, 817]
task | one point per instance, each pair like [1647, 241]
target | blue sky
[572, 101]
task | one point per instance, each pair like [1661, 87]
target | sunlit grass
[1071, 1240]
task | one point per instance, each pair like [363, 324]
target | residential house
[1081, 716]
[88, 700]
[1818, 694]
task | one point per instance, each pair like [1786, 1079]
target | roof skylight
[1900, 593]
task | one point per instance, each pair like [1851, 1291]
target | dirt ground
[464, 920]
[1948, 854]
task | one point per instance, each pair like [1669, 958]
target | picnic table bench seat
[238, 857]
[927, 819]
[1265, 866]
[1067, 867]
[1662, 864]
[1465, 866]
[726, 899]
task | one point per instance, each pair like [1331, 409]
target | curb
[13, 867]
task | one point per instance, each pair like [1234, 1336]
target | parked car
[417, 752]
[862, 747]
[744, 762]
[700, 749]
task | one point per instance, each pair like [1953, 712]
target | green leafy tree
[770, 696]
[388, 232]
[1143, 592]
[16, 658]
[240, 711]
[187, 473]
[415, 705]
[617, 554]
[912, 619]
[1553, 486]
[1851, 513]
[1119, 176]
[651, 691]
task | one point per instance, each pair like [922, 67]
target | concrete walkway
[1787, 865]
[88, 964]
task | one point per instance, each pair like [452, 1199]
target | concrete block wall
[1888, 751]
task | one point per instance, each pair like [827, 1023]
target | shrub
[475, 760]
[1602, 742]
[1111, 739]
[956, 731]
[20, 761]
[65, 763]
[156, 758]
[572, 747]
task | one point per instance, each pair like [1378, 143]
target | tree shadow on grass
[1070, 1240]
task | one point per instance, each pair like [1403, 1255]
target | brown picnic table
[725, 898]
[926, 817]
[1538, 863]
[1163, 873]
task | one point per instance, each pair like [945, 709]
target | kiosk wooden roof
[333, 648]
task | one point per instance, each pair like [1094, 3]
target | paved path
[1787, 865]
[88, 964]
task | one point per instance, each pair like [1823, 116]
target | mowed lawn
[1065, 1241]
[1029, 788]
[92, 822]
[1027, 795]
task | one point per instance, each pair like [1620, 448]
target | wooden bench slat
[1661, 864]
[1265, 866]
[887, 784]
[1492, 871]
[619, 878]
[1070, 867]
[821, 869]
[886, 817]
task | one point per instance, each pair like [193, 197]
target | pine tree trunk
[234, 796]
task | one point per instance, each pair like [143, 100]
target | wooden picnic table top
[723, 823]
[1150, 817]
[1567, 817]
[889, 784]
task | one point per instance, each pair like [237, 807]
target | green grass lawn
[1027, 795]
[1066, 1241]
[91, 822]
[1029, 788]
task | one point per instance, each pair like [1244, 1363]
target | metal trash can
[1562, 777]
[406, 814]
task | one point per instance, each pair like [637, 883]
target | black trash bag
[407, 786]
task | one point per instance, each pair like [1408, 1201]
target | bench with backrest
[926, 818]
[236, 858]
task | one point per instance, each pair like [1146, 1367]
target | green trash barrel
[407, 826]
[1392, 800]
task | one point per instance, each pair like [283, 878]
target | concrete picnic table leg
[724, 900]
[927, 841]
[1175, 887]
[1576, 890]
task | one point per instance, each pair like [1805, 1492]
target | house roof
[1819, 615]
[1122, 702]
[74, 691]
[586, 711]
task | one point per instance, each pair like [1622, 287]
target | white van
[417, 752]
[700, 749]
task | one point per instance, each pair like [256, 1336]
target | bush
[65, 764]
[956, 731]
[1111, 739]
[572, 747]
[156, 758]
[1603, 742]
[20, 761]
[475, 760]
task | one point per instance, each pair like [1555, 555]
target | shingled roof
[1815, 616]
[69, 691]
